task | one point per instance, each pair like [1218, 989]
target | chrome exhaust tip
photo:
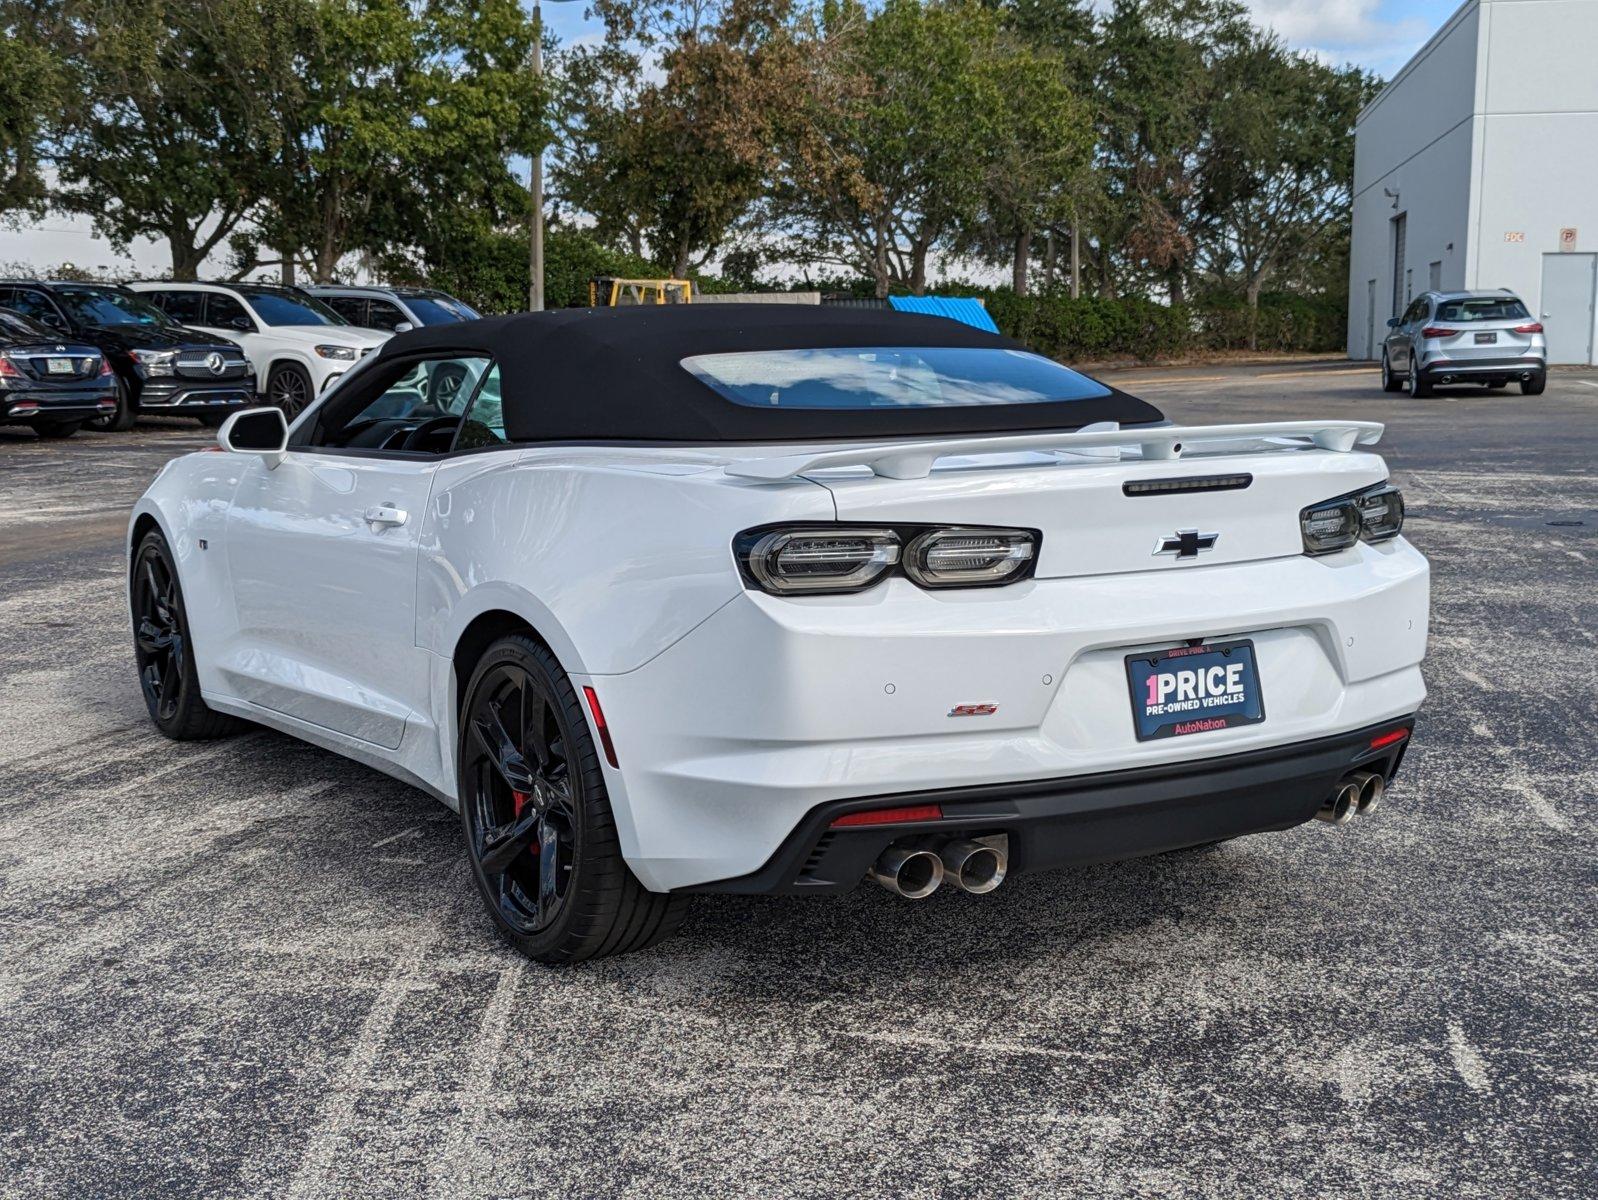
[975, 867]
[913, 872]
[1371, 789]
[1339, 808]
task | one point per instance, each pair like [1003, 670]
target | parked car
[393, 310]
[50, 384]
[774, 600]
[1465, 337]
[297, 344]
[160, 367]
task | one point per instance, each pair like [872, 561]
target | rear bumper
[1482, 370]
[772, 708]
[1055, 823]
[55, 404]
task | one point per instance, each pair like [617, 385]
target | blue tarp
[963, 309]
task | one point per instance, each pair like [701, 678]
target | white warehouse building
[1477, 168]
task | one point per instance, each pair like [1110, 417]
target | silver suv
[394, 309]
[1465, 337]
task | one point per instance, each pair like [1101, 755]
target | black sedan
[159, 366]
[52, 384]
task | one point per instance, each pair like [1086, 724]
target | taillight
[1375, 514]
[1381, 513]
[786, 561]
[967, 557]
[8, 369]
[1534, 327]
[1437, 331]
[105, 367]
[820, 559]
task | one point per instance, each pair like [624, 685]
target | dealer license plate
[1486, 339]
[1194, 689]
[59, 366]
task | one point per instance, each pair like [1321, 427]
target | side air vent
[1192, 483]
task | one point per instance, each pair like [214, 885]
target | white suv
[297, 344]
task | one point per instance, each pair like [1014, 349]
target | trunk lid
[1089, 522]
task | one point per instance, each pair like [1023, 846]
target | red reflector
[599, 724]
[1534, 327]
[1387, 739]
[891, 816]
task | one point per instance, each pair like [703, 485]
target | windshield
[890, 377]
[1482, 308]
[103, 306]
[439, 310]
[290, 308]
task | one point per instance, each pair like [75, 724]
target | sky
[1379, 35]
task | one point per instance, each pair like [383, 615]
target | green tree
[395, 125]
[159, 134]
[30, 91]
[669, 166]
[886, 144]
[1279, 171]
[1157, 84]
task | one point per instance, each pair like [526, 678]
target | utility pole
[1076, 259]
[535, 181]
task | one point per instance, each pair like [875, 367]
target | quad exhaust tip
[1356, 793]
[916, 869]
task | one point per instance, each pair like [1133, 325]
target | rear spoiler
[913, 460]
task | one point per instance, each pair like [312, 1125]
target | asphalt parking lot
[250, 968]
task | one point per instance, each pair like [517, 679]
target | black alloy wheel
[537, 818]
[288, 388]
[163, 650]
[524, 817]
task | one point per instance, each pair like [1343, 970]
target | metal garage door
[1567, 307]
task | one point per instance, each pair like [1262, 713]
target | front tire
[1390, 382]
[288, 387]
[1535, 385]
[539, 828]
[121, 419]
[164, 651]
[54, 430]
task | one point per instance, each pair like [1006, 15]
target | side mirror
[241, 323]
[1393, 322]
[263, 431]
[403, 327]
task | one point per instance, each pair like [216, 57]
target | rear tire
[58, 429]
[1535, 385]
[164, 651]
[213, 420]
[565, 893]
[121, 420]
[1419, 388]
[1390, 382]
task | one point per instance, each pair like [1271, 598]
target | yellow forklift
[608, 291]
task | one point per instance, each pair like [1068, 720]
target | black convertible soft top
[616, 374]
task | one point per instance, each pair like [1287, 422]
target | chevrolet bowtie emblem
[1186, 543]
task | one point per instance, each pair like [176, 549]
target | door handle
[383, 516]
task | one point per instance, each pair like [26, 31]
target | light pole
[535, 182]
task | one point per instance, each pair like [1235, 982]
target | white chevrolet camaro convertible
[779, 599]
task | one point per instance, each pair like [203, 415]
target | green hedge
[1095, 328]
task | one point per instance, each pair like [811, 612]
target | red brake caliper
[521, 799]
